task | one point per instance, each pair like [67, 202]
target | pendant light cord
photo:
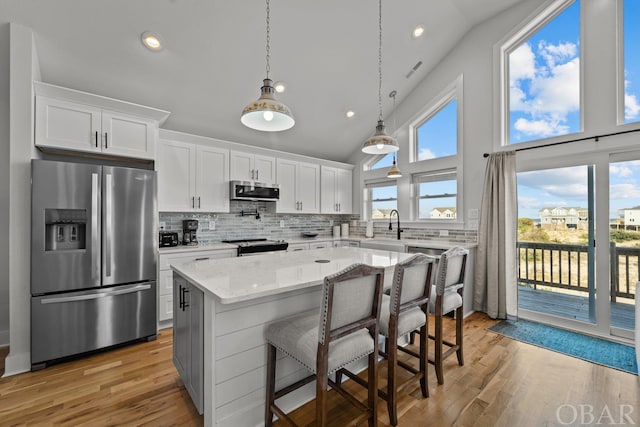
[268, 39]
[379, 59]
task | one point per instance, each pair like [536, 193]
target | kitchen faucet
[400, 230]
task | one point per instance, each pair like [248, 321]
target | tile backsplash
[232, 226]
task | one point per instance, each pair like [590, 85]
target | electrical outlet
[473, 213]
[282, 223]
[163, 225]
[212, 225]
[473, 224]
[330, 223]
[444, 233]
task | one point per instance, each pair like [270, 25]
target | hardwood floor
[503, 383]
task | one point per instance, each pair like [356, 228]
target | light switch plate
[473, 213]
[473, 224]
[282, 223]
[444, 233]
[212, 225]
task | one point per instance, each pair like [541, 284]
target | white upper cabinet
[337, 191]
[192, 177]
[66, 119]
[252, 167]
[299, 187]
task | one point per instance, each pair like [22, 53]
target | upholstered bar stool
[403, 311]
[344, 330]
[448, 296]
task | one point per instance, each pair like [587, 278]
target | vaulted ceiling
[213, 60]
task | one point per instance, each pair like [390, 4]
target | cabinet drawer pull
[202, 259]
[106, 140]
[96, 139]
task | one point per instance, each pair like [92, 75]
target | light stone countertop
[199, 247]
[233, 280]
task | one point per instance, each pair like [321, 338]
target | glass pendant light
[380, 143]
[267, 113]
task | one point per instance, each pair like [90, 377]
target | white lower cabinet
[320, 245]
[165, 278]
[346, 244]
[294, 247]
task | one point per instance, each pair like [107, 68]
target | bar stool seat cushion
[409, 320]
[451, 299]
[297, 337]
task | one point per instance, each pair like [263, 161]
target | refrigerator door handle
[129, 290]
[95, 227]
[108, 223]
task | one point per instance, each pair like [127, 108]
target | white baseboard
[16, 364]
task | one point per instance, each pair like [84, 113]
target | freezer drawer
[72, 323]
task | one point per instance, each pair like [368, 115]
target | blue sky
[545, 100]
[556, 45]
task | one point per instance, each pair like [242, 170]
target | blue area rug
[591, 349]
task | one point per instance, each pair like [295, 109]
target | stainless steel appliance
[93, 258]
[189, 229]
[248, 247]
[256, 191]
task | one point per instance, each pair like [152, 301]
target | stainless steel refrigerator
[93, 258]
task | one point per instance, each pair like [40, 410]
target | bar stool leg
[271, 385]
[424, 358]
[372, 392]
[391, 345]
[438, 349]
[322, 383]
[459, 324]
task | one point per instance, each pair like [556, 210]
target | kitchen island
[221, 308]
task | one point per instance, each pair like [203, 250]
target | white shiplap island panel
[241, 296]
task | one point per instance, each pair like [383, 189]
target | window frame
[541, 17]
[368, 199]
[452, 91]
[435, 176]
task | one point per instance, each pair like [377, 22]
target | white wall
[473, 59]
[24, 68]
[4, 184]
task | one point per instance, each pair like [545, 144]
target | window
[543, 76]
[383, 162]
[383, 199]
[437, 136]
[436, 195]
[631, 37]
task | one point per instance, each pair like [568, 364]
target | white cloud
[624, 191]
[425, 154]
[546, 91]
[522, 63]
[631, 107]
[622, 171]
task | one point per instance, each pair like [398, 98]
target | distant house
[630, 217]
[570, 217]
[443, 213]
[380, 213]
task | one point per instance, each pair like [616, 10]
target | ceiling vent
[413, 70]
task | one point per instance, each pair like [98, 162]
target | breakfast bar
[221, 307]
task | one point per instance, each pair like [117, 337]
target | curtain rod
[596, 137]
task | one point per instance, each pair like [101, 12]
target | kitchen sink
[383, 244]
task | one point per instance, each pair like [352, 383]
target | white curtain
[495, 287]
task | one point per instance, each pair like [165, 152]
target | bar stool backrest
[350, 301]
[451, 269]
[411, 282]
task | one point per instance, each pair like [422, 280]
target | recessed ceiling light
[417, 31]
[151, 41]
[350, 114]
[280, 87]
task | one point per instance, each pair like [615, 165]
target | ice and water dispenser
[65, 229]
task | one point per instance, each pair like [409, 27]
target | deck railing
[565, 266]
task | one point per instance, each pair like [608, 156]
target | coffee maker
[189, 228]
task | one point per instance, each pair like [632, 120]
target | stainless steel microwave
[257, 191]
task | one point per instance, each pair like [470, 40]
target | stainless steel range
[248, 247]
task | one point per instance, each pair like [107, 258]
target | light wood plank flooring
[503, 383]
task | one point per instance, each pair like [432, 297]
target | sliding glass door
[555, 242]
[579, 243]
